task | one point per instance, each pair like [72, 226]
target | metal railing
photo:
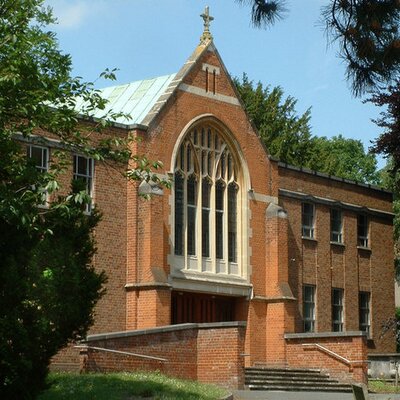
[333, 354]
[122, 352]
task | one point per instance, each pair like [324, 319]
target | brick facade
[343, 355]
[135, 244]
[179, 350]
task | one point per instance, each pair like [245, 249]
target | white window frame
[215, 160]
[336, 219]
[309, 308]
[42, 167]
[363, 231]
[364, 312]
[308, 220]
[88, 177]
[337, 310]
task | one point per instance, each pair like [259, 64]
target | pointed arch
[209, 218]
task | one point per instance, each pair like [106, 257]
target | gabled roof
[135, 99]
[143, 100]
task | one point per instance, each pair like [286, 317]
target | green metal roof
[135, 99]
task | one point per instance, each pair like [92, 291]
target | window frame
[88, 177]
[213, 159]
[338, 309]
[307, 229]
[309, 318]
[364, 312]
[363, 236]
[43, 167]
[336, 225]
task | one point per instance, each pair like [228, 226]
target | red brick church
[245, 260]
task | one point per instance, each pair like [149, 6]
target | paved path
[261, 395]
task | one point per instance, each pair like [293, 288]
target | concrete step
[299, 388]
[285, 369]
[298, 375]
[292, 379]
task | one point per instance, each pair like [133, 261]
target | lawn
[378, 386]
[126, 386]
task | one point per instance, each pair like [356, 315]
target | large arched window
[207, 204]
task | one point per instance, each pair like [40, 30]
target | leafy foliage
[48, 286]
[366, 30]
[345, 158]
[388, 142]
[287, 136]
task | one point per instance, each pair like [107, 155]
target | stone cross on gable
[207, 18]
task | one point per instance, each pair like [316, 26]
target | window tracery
[206, 223]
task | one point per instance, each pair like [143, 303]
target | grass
[126, 386]
[378, 386]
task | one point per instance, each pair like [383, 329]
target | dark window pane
[191, 214]
[232, 223]
[191, 230]
[188, 158]
[205, 233]
[205, 223]
[178, 214]
[219, 219]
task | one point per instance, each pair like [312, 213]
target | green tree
[288, 137]
[366, 31]
[285, 134]
[345, 158]
[48, 286]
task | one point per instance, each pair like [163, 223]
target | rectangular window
[39, 156]
[307, 220]
[83, 170]
[362, 230]
[309, 308]
[336, 226]
[364, 312]
[337, 310]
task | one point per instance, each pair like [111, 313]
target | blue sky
[148, 38]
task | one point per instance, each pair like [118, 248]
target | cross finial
[207, 18]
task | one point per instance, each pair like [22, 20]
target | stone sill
[320, 335]
[164, 329]
[339, 244]
[309, 239]
[362, 248]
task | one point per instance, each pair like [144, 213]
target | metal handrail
[122, 352]
[332, 353]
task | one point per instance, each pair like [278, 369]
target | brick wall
[345, 266]
[352, 346]
[210, 353]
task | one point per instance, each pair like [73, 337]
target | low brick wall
[341, 354]
[210, 353]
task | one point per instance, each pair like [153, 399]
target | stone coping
[164, 329]
[320, 335]
[381, 355]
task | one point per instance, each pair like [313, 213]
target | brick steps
[287, 379]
